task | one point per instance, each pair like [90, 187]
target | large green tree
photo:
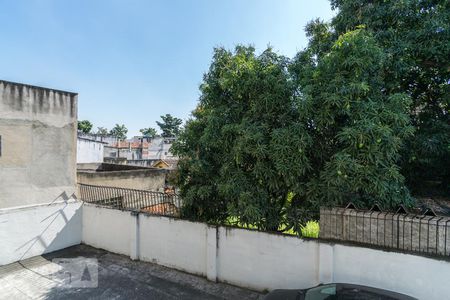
[231, 163]
[268, 146]
[363, 106]
[356, 125]
[415, 38]
[119, 131]
[170, 126]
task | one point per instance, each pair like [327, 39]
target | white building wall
[89, 151]
[29, 231]
[159, 148]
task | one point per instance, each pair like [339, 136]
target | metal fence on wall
[421, 233]
[122, 198]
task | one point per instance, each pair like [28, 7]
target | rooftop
[107, 167]
[118, 278]
[132, 145]
[5, 82]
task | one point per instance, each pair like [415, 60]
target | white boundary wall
[259, 260]
[422, 277]
[266, 261]
[34, 230]
[105, 228]
[176, 243]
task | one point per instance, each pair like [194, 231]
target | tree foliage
[415, 38]
[148, 132]
[269, 144]
[228, 162]
[357, 127]
[170, 126]
[85, 126]
[362, 106]
[119, 131]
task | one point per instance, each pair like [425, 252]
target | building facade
[89, 150]
[129, 150]
[38, 129]
[159, 148]
[38, 208]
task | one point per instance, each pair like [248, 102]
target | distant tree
[85, 126]
[102, 131]
[148, 132]
[119, 131]
[170, 126]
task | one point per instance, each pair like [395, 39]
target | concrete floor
[46, 277]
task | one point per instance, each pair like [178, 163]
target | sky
[131, 61]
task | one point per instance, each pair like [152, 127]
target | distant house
[89, 150]
[130, 150]
[161, 164]
[142, 151]
[166, 164]
[159, 148]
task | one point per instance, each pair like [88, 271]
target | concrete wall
[142, 162]
[130, 177]
[177, 244]
[108, 229]
[117, 161]
[261, 260]
[421, 277]
[266, 261]
[106, 139]
[38, 138]
[34, 230]
[89, 151]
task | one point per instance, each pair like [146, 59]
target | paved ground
[50, 277]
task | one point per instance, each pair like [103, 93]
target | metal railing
[131, 199]
[423, 233]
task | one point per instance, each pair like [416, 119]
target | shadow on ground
[118, 278]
